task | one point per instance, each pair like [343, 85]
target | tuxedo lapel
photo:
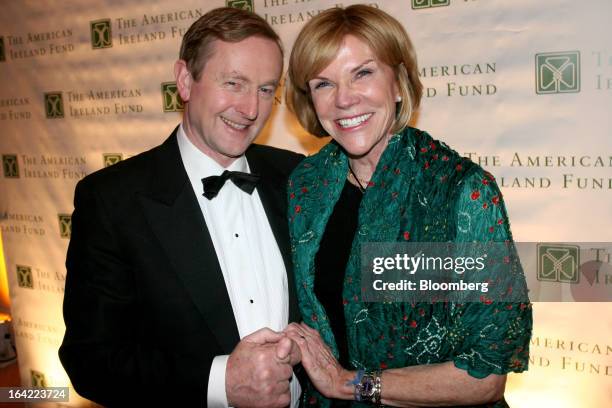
[272, 192]
[176, 219]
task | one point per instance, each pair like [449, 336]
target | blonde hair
[321, 38]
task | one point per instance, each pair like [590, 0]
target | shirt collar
[198, 163]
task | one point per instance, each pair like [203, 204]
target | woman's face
[354, 98]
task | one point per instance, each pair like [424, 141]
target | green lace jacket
[421, 191]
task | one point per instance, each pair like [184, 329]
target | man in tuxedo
[179, 274]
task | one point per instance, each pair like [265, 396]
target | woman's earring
[398, 98]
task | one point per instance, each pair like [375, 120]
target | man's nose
[248, 106]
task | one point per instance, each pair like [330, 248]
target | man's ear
[183, 78]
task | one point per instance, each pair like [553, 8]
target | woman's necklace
[358, 180]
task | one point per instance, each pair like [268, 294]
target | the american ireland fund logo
[54, 105]
[172, 101]
[38, 379]
[241, 4]
[558, 263]
[24, 277]
[101, 34]
[111, 158]
[558, 72]
[2, 52]
[422, 4]
[65, 225]
[10, 166]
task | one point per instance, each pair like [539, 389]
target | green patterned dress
[421, 191]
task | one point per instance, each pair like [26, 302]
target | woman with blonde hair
[353, 76]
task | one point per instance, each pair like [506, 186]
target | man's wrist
[217, 395]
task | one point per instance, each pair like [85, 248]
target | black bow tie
[245, 181]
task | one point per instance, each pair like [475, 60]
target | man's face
[230, 103]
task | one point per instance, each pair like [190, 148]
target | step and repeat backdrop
[523, 88]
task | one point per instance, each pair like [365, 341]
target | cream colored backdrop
[522, 87]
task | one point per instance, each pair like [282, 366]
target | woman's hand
[324, 371]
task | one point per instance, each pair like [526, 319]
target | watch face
[366, 388]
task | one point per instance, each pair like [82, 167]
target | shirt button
[236, 235]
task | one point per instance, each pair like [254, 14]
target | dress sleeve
[492, 336]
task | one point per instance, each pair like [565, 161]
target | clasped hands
[261, 366]
[323, 369]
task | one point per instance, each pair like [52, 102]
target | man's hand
[259, 369]
[288, 351]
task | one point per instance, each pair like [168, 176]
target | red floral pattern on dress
[486, 300]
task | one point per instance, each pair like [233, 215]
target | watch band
[369, 387]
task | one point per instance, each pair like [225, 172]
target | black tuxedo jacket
[146, 308]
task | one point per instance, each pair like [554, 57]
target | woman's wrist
[368, 387]
[345, 386]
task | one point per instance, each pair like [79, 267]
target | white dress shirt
[250, 260]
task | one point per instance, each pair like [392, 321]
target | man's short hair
[225, 24]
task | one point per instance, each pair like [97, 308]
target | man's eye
[267, 91]
[231, 83]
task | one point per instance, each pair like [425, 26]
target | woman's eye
[363, 72]
[321, 84]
